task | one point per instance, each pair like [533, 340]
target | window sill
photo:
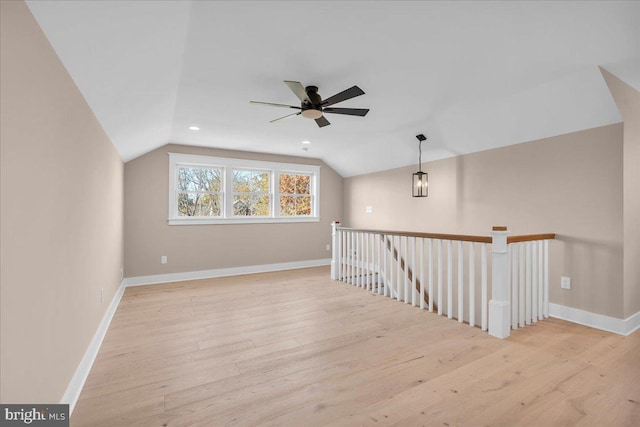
[226, 221]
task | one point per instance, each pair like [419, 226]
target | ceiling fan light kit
[312, 106]
[420, 180]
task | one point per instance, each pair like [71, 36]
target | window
[295, 194]
[251, 193]
[199, 191]
[216, 190]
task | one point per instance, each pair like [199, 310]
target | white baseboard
[72, 393]
[223, 272]
[599, 321]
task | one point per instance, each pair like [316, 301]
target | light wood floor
[297, 349]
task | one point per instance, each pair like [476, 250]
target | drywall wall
[570, 185]
[628, 101]
[206, 247]
[61, 216]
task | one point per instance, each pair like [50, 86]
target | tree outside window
[199, 191]
[295, 194]
[251, 193]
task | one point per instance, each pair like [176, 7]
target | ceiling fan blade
[352, 92]
[285, 117]
[298, 89]
[322, 122]
[348, 111]
[274, 105]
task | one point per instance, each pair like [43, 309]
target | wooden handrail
[461, 237]
[515, 301]
[530, 237]
[465, 238]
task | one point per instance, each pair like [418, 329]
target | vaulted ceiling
[469, 75]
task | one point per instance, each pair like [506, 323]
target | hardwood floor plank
[295, 348]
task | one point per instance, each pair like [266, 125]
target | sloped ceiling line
[470, 75]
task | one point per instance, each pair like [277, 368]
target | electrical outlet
[328, 247]
[369, 209]
[121, 273]
[565, 282]
[163, 259]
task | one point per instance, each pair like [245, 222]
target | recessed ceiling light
[194, 128]
[306, 142]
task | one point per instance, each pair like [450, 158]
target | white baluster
[449, 280]
[534, 282]
[399, 275]
[347, 256]
[460, 282]
[343, 253]
[372, 260]
[406, 269]
[528, 284]
[385, 283]
[358, 256]
[354, 260]
[521, 289]
[378, 264]
[546, 278]
[367, 260]
[422, 274]
[472, 284]
[515, 247]
[540, 280]
[362, 261]
[392, 282]
[414, 271]
[430, 275]
[440, 285]
[483, 254]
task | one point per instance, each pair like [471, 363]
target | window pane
[251, 205]
[287, 205]
[287, 183]
[303, 184]
[303, 205]
[198, 204]
[199, 179]
[295, 205]
[295, 184]
[246, 181]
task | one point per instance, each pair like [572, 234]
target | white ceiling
[469, 75]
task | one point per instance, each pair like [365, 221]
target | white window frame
[227, 165]
[279, 194]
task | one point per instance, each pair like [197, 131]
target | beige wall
[570, 185]
[628, 102]
[61, 216]
[206, 247]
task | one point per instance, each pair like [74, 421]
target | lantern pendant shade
[420, 184]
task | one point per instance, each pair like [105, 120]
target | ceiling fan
[312, 106]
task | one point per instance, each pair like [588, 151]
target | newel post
[499, 306]
[335, 248]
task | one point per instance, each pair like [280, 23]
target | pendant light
[420, 181]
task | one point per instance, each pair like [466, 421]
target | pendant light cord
[419, 156]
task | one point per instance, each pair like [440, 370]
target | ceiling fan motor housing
[312, 110]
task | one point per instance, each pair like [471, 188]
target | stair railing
[410, 267]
